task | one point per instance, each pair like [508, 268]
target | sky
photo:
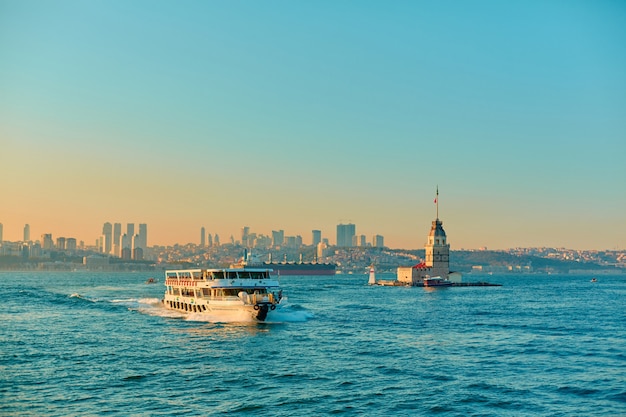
[301, 115]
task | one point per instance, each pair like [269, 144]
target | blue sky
[300, 115]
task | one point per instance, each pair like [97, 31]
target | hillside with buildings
[353, 260]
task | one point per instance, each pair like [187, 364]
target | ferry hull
[230, 312]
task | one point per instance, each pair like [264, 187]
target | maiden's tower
[437, 259]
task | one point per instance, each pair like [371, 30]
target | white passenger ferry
[251, 292]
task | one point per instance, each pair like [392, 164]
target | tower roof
[437, 229]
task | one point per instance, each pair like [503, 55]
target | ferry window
[257, 275]
[218, 275]
[244, 274]
[206, 291]
[197, 274]
[171, 274]
[231, 274]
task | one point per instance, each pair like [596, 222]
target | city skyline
[301, 116]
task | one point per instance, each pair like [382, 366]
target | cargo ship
[301, 268]
[288, 268]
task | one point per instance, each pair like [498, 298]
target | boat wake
[154, 307]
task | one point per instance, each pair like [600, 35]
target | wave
[150, 301]
[82, 297]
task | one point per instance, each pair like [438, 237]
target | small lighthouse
[372, 280]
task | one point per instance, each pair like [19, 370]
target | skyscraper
[107, 234]
[143, 236]
[202, 237]
[278, 237]
[130, 229]
[137, 247]
[345, 234]
[378, 241]
[317, 237]
[70, 244]
[46, 241]
[26, 233]
[245, 232]
[0, 232]
[125, 247]
[117, 236]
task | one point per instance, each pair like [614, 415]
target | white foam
[150, 301]
[287, 315]
[124, 301]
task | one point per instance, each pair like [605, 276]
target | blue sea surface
[79, 343]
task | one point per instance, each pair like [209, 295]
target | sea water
[77, 343]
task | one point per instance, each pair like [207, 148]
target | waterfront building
[1, 239]
[321, 250]
[61, 243]
[34, 250]
[26, 233]
[346, 234]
